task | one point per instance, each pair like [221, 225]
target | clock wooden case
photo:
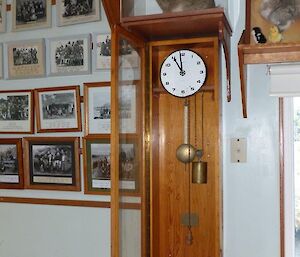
[169, 191]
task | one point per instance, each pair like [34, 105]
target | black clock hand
[174, 59]
[180, 61]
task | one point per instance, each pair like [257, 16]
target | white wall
[53, 231]
[251, 190]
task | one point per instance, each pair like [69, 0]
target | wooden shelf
[263, 54]
[178, 25]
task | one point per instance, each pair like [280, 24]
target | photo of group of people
[100, 161]
[58, 106]
[25, 56]
[52, 160]
[30, 11]
[101, 108]
[70, 53]
[8, 160]
[77, 7]
[14, 107]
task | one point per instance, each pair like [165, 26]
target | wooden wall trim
[281, 176]
[66, 202]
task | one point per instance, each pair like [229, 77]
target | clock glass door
[128, 197]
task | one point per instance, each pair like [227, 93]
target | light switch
[238, 148]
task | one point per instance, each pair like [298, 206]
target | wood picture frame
[97, 108]
[2, 16]
[96, 156]
[58, 109]
[52, 163]
[17, 112]
[26, 59]
[277, 22]
[69, 12]
[30, 14]
[11, 164]
[1, 60]
[102, 53]
[70, 55]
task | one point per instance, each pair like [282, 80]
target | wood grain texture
[169, 179]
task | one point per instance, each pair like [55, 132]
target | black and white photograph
[77, 11]
[58, 109]
[26, 59]
[52, 160]
[25, 56]
[53, 163]
[2, 15]
[127, 108]
[69, 56]
[11, 166]
[128, 56]
[16, 111]
[31, 14]
[97, 107]
[58, 106]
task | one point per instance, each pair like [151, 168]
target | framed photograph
[1, 60]
[26, 59]
[70, 55]
[78, 11]
[16, 112]
[11, 163]
[102, 56]
[96, 155]
[52, 163]
[58, 109]
[271, 21]
[31, 14]
[2, 15]
[97, 108]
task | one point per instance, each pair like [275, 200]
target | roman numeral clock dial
[183, 73]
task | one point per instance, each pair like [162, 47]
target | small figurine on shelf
[184, 5]
[258, 36]
[275, 36]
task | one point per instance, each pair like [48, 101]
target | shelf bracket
[224, 37]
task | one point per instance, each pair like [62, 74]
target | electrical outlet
[238, 148]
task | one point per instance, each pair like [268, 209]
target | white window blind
[284, 79]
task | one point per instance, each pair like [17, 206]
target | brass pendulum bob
[199, 170]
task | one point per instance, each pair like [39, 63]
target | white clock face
[183, 73]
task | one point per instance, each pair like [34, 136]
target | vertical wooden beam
[112, 10]
[115, 233]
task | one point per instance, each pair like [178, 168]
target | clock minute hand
[180, 61]
[174, 59]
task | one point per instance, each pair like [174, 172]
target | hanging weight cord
[189, 236]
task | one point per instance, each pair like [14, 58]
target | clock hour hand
[174, 59]
[180, 61]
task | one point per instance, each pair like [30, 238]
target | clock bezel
[183, 49]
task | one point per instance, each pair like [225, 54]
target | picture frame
[271, 22]
[96, 156]
[31, 14]
[26, 59]
[11, 164]
[52, 163]
[2, 16]
[102, 53]
[97, 108]
[1, 60]
[17, 112]
[59, 50]
[58, 109]
[69, 12]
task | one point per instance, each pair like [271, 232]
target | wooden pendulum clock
[180, 127]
